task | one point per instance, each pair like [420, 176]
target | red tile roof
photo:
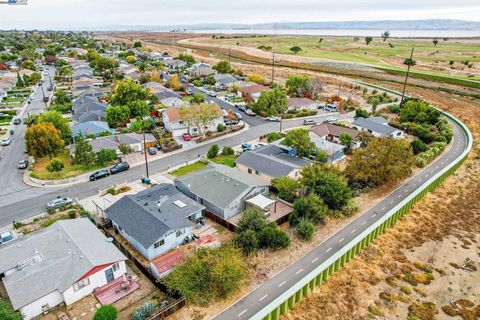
[253, 89]
[168, 261]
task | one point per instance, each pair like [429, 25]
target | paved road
[13, 189]
[251, 304]
[28, 207]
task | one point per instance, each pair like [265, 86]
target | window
[249, 171]
[159, 243]
[179, 233]
[81, 284]
[257, 172]
[116, 266]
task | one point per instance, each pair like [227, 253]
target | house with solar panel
[155, 220]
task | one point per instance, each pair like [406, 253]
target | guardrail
[320, 275]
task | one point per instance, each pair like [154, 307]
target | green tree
[210, 80]
[274, 136]
[328, 184]
[213, 151]
[305, 229]
[273, 238]
[62, 97]
[271, 102]
[227, 151]
[252, 219]
[295, 49]
[117, 116]
[58, 122]
[43, 139]
[106, 312]
[382, 160]
[368, 40]
[106, 156]
[83, 153]
[137, 44]
[197, 98]
[298, 85]
[92, 55]
[409, 62]
[364, 137]
[127, 91]
[55, 165]
[418, 146]
[139, 108]
[207, 275]
[310, 207]
[385, 35]
[257, 78]
[300, 141]
[7, 312]
[287, 188]
[419, 112]
[28, 64]
[248, 242]
[361, 113]
[345, 139]
[20, 83]
[131, 59]
[200, 115]
[189, 59]
[223, 67]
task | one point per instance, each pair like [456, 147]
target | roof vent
[179, 204]
[109, 239]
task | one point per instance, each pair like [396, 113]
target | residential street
[249, 306]
[13, 189]
[24, 202]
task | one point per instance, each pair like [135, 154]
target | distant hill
[431, 24]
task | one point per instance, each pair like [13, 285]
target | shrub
[220, 127]
[361, 113]
[112, 191]
[227, 151]
[247, 241]
[274, 238]
[106, 156]
[394, 108]
[106, 312]
[310, 207]
[274, 136]
[55, 165]
[418, 146]
[287, 188]
[305, 229]
[72, 214]
[213, 151]
[51, 210]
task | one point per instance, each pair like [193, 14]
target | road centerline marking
[329, 249]
[240, 314]
[314, 260]
[281, 284]
[353, 231]
[341, 240]
[263, 297]
[299, 271]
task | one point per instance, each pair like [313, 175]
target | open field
[465, 54]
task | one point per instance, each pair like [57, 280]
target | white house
[62, 263]
[174, 123]
[301, 104]
[155, 220]
[378, 127]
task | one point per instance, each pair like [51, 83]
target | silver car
[57, 203]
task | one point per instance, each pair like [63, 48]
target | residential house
[133, 140]
[201, 70]
[224, 79]
[378, 127]
[270, 162]
[296, 104]
[165, 264]
[221, 189]
[331, 132]
[62, 263]
[173, 102]
[167, 94]
[154, 87]
[334, 151]
[252, 93]
[175, 64]
[155, 220]
[90, 128]
[88, 108]
[173, 122]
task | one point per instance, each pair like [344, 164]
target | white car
[259, 144]
[250, 112]
[273, 119]
[58, 202]
[331, 119]
[6, 141]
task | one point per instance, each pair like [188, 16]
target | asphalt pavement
[249, 306]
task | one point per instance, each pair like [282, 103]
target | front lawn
[71, 170]
[225, 160]
[189, 168]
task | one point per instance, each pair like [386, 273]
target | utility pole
[43, 94]
[145, 153]
[273, 67]
[229, 57]
[406, 77]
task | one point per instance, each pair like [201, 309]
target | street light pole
[145, 153]
[406, 77]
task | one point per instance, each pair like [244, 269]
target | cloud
[79, 14]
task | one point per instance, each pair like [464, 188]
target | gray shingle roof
[374, 126]
[271, 160]
[90, 127]
[148, 215]
[63, 253]
[218, 184]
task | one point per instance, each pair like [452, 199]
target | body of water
[350, 32]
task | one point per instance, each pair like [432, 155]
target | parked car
[230, 122]
[152, 151]
[239, 116]
[5, 237]
[247, 147]
[241, 108]
[17, 121]
[58, 202]
[6, 141]
[189, 91]
[331, 119]
[273, 119]
[119, 167]
[46, 99]
[250, 112]
[99, 174]
[22, 164]
[330, 108]
[212, 93]
[307, 122]
[158, 146]
[260, 144]
[186, 137]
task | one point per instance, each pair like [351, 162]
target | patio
[116, 289]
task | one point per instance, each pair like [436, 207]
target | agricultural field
[450, 56]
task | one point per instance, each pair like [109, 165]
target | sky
[94, 14]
